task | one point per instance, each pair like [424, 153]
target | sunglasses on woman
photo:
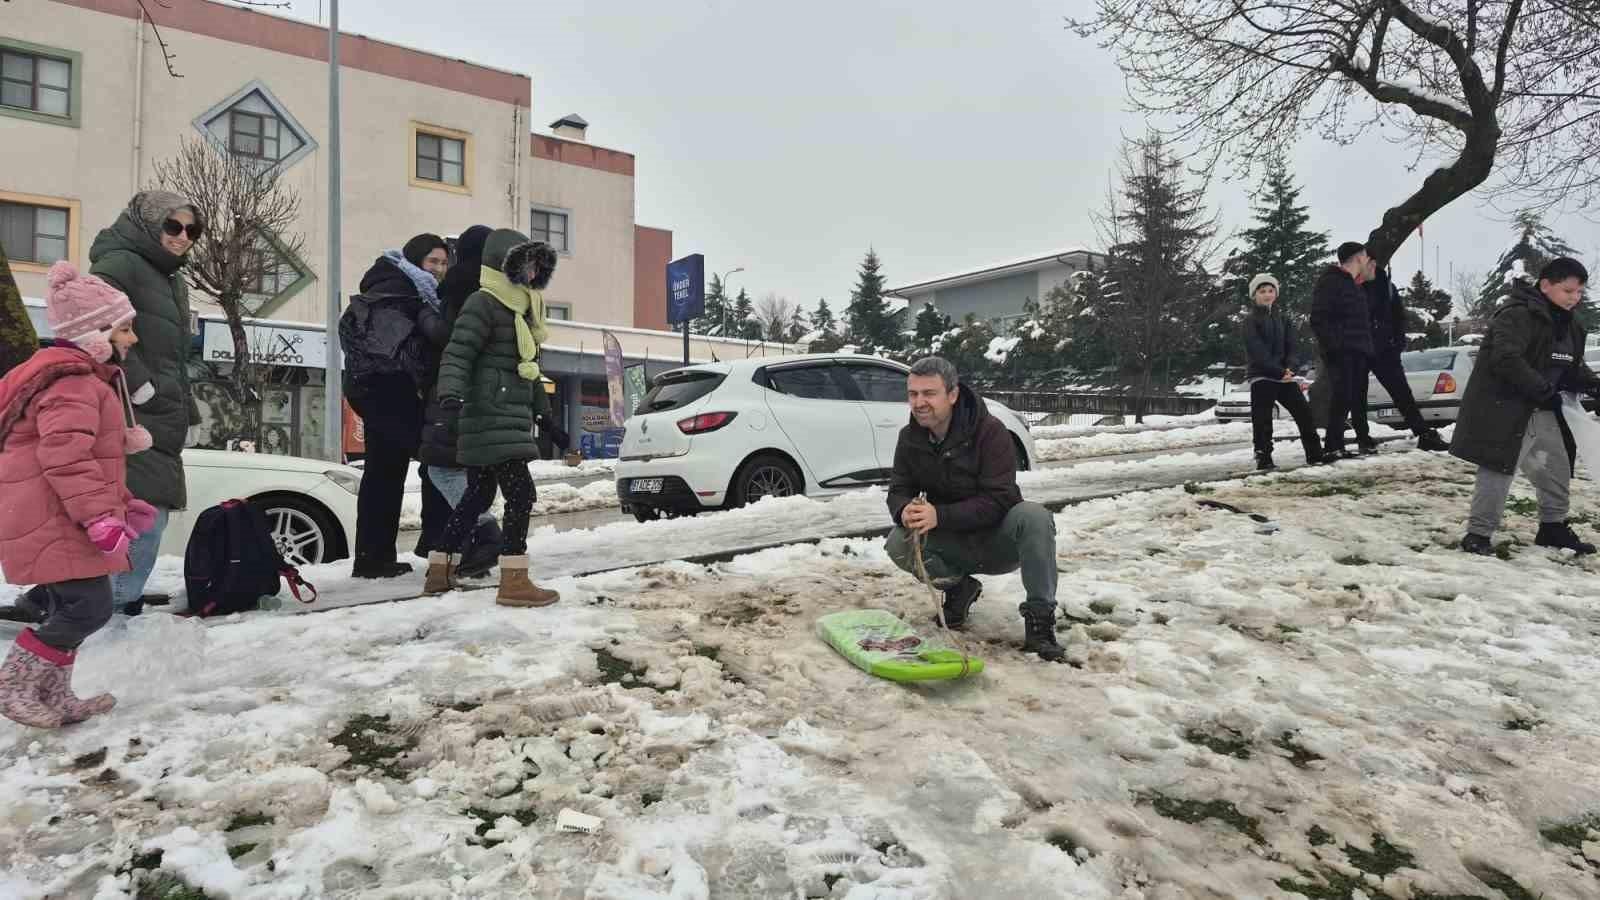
[175, 228]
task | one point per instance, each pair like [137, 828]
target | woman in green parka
[488, 386]
[142, 254]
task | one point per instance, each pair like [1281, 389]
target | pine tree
[1280, 244]
[1158, 299]
[872, 326]
[1427, 307]
[930, 324]
[711, 321]
[797, 326]
[741, 318]
[822, 318]
[1535, 247]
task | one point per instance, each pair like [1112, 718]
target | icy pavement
[1346, 708]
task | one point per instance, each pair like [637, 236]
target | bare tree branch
[250, 214]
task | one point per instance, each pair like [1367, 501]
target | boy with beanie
[66, 517]
[1270, 344]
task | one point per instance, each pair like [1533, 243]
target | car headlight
[344, 478]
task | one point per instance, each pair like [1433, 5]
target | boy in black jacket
[1269, 342]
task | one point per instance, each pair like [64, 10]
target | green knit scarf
[528, 306]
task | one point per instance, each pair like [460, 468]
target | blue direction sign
[686, 288]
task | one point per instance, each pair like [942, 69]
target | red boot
[24, 678]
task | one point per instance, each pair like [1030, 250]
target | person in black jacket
[390, 336]
[1270, 344]
[1388, 315]
[1340, 320]
[1511, 415]
[955, 486]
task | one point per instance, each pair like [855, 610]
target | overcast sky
[947, 135]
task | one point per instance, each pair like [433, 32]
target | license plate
[646, 486]
[1383, 411]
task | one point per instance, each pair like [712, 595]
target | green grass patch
[487, 817]
[1502, 882]
[371, 741]
[1192, 812]
[1354, 559]
[1571, 834]
[1521, 724]
[1522, 506]
[1064, 842]
[248, 820]
[90, 760]
[1102, 607]
[148, 861]
[1299, 756]
[167, 886]
[1223, 741]
[1317, 836]
[1382, 860]
[1195, 487]
[238, 850]
[615, 670]
[1335, 489]
[1288, 629]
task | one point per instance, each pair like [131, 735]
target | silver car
[1438, 380]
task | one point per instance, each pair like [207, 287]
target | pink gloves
[141, 516]
[111, 535]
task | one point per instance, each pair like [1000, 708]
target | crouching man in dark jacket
[1511, 414]
[955, 485]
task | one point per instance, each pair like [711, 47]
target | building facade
[998, 293]
[89, 110]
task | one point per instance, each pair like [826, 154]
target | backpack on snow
[231, 562]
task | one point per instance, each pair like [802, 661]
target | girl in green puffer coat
[487, 384]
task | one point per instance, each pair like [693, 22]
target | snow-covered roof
[998, 270]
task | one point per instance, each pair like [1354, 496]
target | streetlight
[726, 297]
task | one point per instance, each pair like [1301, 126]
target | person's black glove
[449, 413]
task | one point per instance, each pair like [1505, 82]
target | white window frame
[566, 215]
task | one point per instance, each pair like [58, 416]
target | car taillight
[705, 422]
[1446, 384]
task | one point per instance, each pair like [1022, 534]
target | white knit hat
[1261, 279]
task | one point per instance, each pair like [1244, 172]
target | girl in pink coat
[66, 517]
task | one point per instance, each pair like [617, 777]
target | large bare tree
[1503, 94]
[250, 215]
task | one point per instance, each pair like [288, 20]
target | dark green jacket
[1508, 382]
[136, 264]
[480, 367]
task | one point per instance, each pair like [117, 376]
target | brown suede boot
[516, 589]
[24, 677]
[441, 566]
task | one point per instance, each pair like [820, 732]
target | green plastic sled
[880, 644]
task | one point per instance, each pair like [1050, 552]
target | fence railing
[1101, 403]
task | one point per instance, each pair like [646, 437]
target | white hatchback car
[310, 504]
[725, 434]
[1438, 380]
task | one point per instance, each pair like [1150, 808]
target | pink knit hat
[84, 310]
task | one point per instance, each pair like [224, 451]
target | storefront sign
[273, 345]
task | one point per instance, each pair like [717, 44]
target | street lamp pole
[333, 412]
[726, 298]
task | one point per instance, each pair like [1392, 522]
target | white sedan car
[310, 504]
[725, 434]
[1438, 380]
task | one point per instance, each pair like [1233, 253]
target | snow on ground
[542, 470]
[1101, 442]
[1347, 705]
[553, 497]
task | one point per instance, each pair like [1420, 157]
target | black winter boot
[1367, 447]
[1039, 622]
[1431, 440]
[483, 550]
[1264, 462]
[958, 599]
[1561, 536]
[1477, 543]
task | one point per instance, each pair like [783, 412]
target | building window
[254, 124]
[274, 276]
[39, 83]
[34, 233]
[254, 134]
[553, 227]
[558, 311]
[441, 158]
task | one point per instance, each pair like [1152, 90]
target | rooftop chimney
[572, 127]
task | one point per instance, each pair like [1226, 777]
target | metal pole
[685, 344]
[333, 426]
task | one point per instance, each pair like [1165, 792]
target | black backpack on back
[231, 562]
